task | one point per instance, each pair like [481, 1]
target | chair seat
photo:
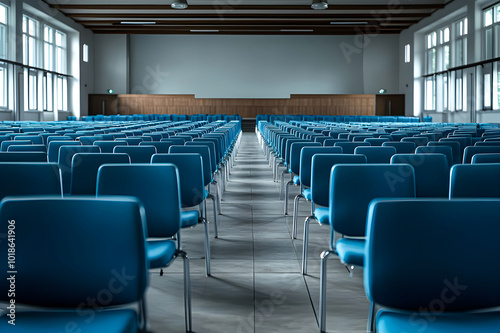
[351, 251]
[389, 321]
[322, 215]
[119, 321]
[296, 180]
[189, 218]
[307, 194]
[160, 252]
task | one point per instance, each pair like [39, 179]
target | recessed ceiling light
[349, 23]
[204, 30]
[179, 4]
[297, 30]
[319, 4]
[137, 22]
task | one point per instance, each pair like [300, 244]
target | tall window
[491, 32]
[3, 55]
[54, 86]
[30, 41]
[430, 93]
[3, 32]
[461, 28]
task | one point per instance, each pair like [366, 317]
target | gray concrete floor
[256, 284]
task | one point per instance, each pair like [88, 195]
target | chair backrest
[321, 168]
[53, 149]
[349, 147]
[29, 179]
[332, 142]
[418, 140]
[204, 151]
[108, 146]
[405, 147]
[455, 147]
[97, 239]
[470, 151]
[161, 147]
[295, 152]
[84, 168]
[211, 147]
[177, 141]
[353, 186]
[6, 144]
[432, 173]
[306, 155]
[23, 156]
[138, 154]
[35, 139]
[33, 147]
[376, 154]
[445, 150]
[475, 181]
[155, 185]
[132, 141]
[190, 168]
[89, 140]
[65, 159]
[461, 143]
[486, 158]
[403, 273]
[376, 141]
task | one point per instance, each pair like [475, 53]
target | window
[85, 53]
[407, 53]
[461, 28]
[461, 91]
[30, 35]
[430, 93]
[3, 86]
[496, 86]
[3, 32]
[491, 32]
[431, 52]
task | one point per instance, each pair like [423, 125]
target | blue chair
[376, 154]
[65, 160]
[71, 250]
[23, 156]
[53, 149]
[157, 187]
[29, 179]
[485, 158]
[475, 181]
[161, 147]
[138, 154]
[432, 173]
[84, 167]
[6, 144]
[192, 187]
[455, 147]
[132, 141]
[377, 141]
[406, 147]
[35, 139]
[418, 290]
[306, 155]
[352, 187]
[108, 146]
[320, 190]
[418, 140]
[349, 147]
[470, 151]
[89, 140]
[177, 141]
[32, 147]
[445, 150]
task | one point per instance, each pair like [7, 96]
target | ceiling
[248, 17]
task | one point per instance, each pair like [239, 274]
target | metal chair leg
[187, 292]
[371, 318]
[305, 244]
[214, 200]
[322, 292]
[286, 198]
[295, 214]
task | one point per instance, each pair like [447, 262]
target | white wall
[211, 66]
[110, 56]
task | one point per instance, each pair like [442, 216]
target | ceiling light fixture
[204, 30]
[296, 30]
[319, 4]
[179, 4]
[138, 22]
[349, 23]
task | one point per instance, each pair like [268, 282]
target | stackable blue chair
[191, 183]
[138, 154]
[421, 265]
[446, 150]
[161, 147]
[108, 146]
[6, 144]
[23, 156]
[406, 147]
[485, 158]
[53, 149]
[455, 147]
[475, 181]
[418, 140]
[70, 250]
[352, 187]
[320, 190]
[470, 151]
[157, 187]
[432, 173]
[306, 155]
[32, 147]
[349, 147]
[84, 167]
[376, 154]
[65, 160]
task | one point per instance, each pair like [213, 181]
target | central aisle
[256, 284]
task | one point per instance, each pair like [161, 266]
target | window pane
[466, 26]
[25, 24]
[3, 14]
[429, 94]
[50, 92]
[434, 38]
[488, 17]
[445, 92]
[497, 42]
[488, 41]
[446, 60]
[31, 51]
[487, 91]
[446, 35]
[459, 51]
[31, 27]
[3, 87]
